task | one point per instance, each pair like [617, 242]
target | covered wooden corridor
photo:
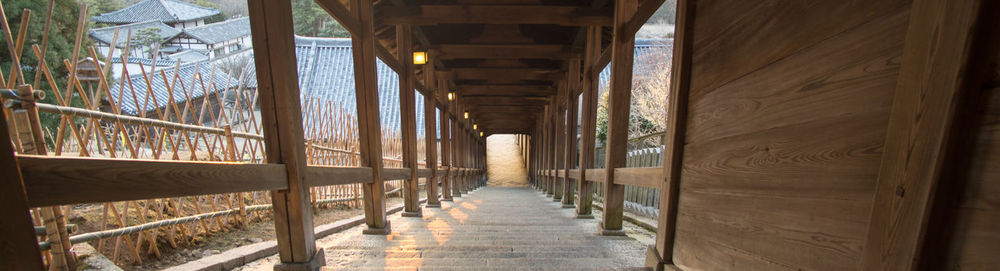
[809, 134]
[491, 228]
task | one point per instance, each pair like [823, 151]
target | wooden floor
[492, 228]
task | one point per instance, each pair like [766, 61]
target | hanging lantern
[419, 58]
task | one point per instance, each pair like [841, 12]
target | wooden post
[570, 138]
[445, 148]
[32, 142]
[934, 80]
[430, 140]
[550, 147]
[558, 146]
[622, 49]
[281, 114]
[408, 119]
[588, 123]
[18, 245]
[661, 253]
[369, 123]
[456, 154]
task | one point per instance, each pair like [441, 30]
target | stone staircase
[489, 229]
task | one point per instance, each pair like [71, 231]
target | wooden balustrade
[53, 181]
[635, 176]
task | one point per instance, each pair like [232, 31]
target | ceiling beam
[493, 14]
[506, 74]
[506, 90]
[477, 100]
[502, 51]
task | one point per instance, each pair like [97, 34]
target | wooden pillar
[532, 163]
[539, 157]
[570, 138]
[408, 120]
[446, 150]
[559, 129]
[281, 115]
[456, 151]
[470, 155]
[588, 123]
[430, 140]
[938, 75]
[661, 253]
[550, 146]
[18, 245]
[28, 126]
[467, 147]
[369, 123]
[622, 49]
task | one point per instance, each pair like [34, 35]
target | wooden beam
[571, 128]
[493, 14]
[369, 124]
[559, 145]
[623, 47]
[390, 174]
[661, 253]
[431, 147]
[502, 51]
[445, 145]
[281, 114]
[526, 101]
[572, 109]
[508, 74]
[506, 90]
[431, 135]
[456, 151]
[408, 120]
[339, 12]
[932, 84]
[588, 121]
[18, 245]
[54, 181]
[327, 175]
[645, 10]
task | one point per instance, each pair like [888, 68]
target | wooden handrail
[395, 174]
[328, 175]
[64, 180]
[72, 180]
[635, 176]
[640, 176]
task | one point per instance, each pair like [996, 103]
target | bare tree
[649, 89]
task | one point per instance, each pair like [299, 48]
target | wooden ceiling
[505, 59]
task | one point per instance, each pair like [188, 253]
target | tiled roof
[189, 56]
[167, 11]
[144, 61]
[106, 34]
[130, 104]
[326, 72]
[221, 31]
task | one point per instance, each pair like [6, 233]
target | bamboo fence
[217, 126]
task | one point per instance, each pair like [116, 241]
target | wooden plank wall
[963, 234]
[975, 238]
[780, 174]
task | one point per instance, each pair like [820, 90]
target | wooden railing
[71, 180]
